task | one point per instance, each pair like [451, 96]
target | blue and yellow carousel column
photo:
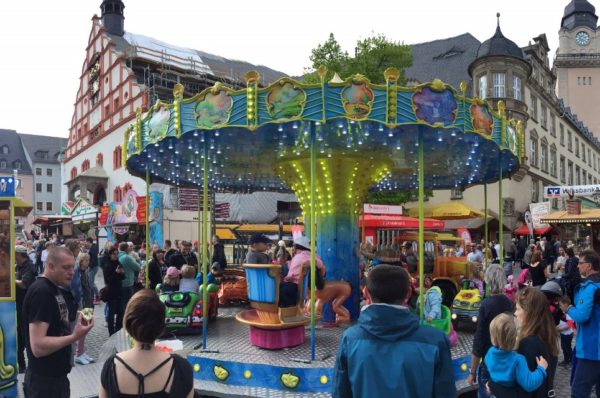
[8, 319]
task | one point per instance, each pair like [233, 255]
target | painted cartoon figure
[7, 372]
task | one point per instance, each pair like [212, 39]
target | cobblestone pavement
[85, 378]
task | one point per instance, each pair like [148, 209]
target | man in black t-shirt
[46, 329]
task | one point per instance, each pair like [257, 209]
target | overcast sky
[42, 42]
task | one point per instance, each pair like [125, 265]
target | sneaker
[82, 360]
[89, 358]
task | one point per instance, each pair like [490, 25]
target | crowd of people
[522, 325]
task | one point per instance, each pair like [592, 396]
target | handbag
[103, 293]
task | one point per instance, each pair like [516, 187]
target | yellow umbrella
[454, 210]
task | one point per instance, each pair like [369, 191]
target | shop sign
[7, 186]
[567, 191]
[382, 209]
[538, 211]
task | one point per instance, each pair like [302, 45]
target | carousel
[328, 143]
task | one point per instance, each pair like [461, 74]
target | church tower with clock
[577, 62]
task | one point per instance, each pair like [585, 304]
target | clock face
[582, 38]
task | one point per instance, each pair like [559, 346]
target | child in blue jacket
[507, 367]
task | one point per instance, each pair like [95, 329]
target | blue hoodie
[509, 368]
[388, 354]
[586, 312]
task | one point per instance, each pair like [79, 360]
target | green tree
[393, 197]
[372, 57]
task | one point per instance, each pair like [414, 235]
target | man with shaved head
[46, 329]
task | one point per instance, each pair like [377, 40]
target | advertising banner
[7, 186]
[6, 252]
[571, 190]
[382, 209]
[539, 210]
[464, 233]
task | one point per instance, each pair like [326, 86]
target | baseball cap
[302, 241]
[258, 238]
[172, 272]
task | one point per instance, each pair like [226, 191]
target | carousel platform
[231, 367]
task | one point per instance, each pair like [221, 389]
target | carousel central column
[340, 186]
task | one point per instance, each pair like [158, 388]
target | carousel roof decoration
[366, 137]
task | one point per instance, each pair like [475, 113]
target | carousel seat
[271, 326]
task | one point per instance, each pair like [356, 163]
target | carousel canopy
[365, 135]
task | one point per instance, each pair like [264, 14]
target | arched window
[117, 158]
[73, 173]
[117, 194]
[85, 165]
[99, 160]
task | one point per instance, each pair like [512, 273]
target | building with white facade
[43, 155]
[121, 73]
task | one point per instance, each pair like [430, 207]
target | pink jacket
[300, 258]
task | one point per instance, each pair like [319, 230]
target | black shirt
[182, 376]
[490, 307]
[537, 273]
[44, 302]
[26, 273]
[219, 255]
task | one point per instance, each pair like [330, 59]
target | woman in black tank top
[144, 371]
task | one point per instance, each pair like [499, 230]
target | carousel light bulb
[295, 125]
[440, 139]
[156, 144]
[453, 134]
[380, 128]
[217, 133]
[390, 133]
[195, 133]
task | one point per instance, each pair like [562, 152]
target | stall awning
[562, 217]
[524, 230]
[453, 210]
[390, 221]
[49, 219]
[22, 208]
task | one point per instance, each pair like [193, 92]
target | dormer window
[17, 165]
[41, 154]
[4, 149]
[2, 164]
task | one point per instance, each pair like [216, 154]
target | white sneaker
[89, 358]
[82, 360]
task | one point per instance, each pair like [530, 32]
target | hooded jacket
[510, 369]
[432, 308]
[388, 354]
[586, 312]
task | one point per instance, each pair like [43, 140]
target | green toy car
[183, 310]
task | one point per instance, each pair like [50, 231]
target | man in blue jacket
[586, 312]
[388, 353]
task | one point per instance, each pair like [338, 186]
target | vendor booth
[9, 207]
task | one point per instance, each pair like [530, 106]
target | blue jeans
[587, 375]
[92, 271]
[483, 376]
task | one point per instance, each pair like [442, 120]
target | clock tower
[577, 62]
